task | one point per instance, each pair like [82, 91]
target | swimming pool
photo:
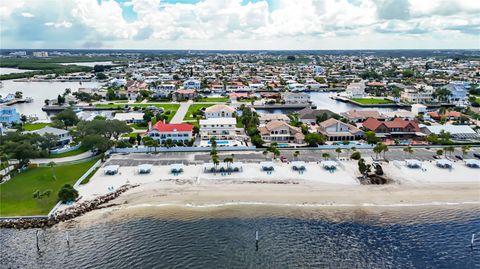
[283, 145]
[220, 142]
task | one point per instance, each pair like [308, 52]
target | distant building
[9, 115]
[219, 111]
[176, 132]
[40, 54]
[220, 128]
[458, 92]
[192, 84]
[184, 94]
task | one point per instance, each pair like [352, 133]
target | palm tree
[216, 162]
[465, 149]
[265, 153]
[450, 149]
[213, 142]
[338, 151]
[440, 152]
[325, 156]
[276, 153]
[295, 154]
[408, 150]
[228, 160]
[52, 165]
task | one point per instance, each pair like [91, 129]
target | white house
[219, 111]
[220, 128]
[296, 87]
[355, 90]
[280, 131]
[63, 137]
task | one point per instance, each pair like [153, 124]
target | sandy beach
[316, 187]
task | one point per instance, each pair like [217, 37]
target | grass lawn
[194, 107]
[68, 154]
[16, 195]
[134, 135]
[214, 99]
[372, 101]
[34, 126]
[166, 107]
[138, 127]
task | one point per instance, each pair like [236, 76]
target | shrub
[67, 193]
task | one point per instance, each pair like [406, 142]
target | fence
[178, 149]
[63, 150]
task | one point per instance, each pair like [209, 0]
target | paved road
[166, 158]
[80, 156]
[181, 112]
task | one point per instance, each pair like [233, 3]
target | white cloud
[275, 23]
[63, 24]
[27, 15]
[7, 7]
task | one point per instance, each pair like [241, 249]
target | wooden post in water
[473, 240]
[68, 240]
[36, 236]
[256, 240]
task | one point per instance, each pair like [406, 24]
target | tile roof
[167, 127]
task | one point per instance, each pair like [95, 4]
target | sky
[240, 24]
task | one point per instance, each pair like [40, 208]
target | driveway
[181, 112]
[80, 156]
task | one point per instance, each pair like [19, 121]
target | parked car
[477, 155]
[459, 157]
[283, 159]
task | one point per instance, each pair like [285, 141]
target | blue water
[220, 142]
[355, 239]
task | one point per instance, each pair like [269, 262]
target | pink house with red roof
[396, 128]
[181, 132]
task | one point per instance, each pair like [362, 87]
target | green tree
[68, 117]
[52, 165]
[465, 149]
[439, 152]
[67, 193]
[371, 137]
[408, 150]
[325, 156]
[355, 155]
[450, 149]
[97, 142]
[338, 151]
[363, 168]
[295, 154]
[314, 139]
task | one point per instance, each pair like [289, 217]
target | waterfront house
[293, 98]
[419, 93]
[458, 92]
[162, 90]
[394, 129]
[9, 115]
[335, 130]
[133, 89]
[63, 136]
[219, 111]
[220, 128]
[280, 131]
[296, 87]
[162, 131]
[355, 90]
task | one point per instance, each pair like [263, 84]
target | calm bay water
[200, 241]
[6, 70]
[40, 91]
